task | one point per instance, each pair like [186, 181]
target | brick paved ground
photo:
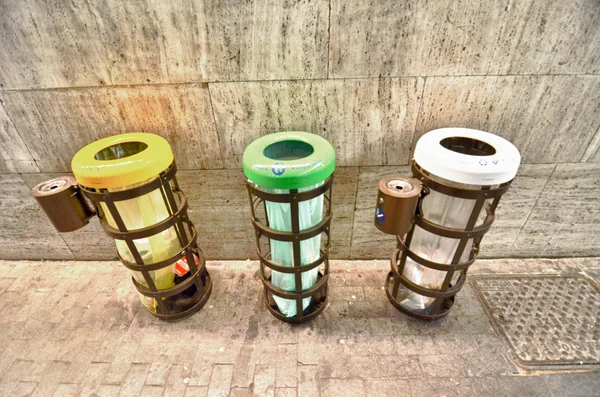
[77, 328]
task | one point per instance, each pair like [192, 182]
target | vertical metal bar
[295, 214]
[173, 204]
[459, 251]
[402, 263]
[134, 251]
[266, 213]
[256, 233]
[330, 195]
[476, 241]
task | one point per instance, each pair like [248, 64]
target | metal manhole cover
[548, 321]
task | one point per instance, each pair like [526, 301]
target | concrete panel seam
[214, 121]
[191, 82]
[592, 148]
[354, 212]
[412, 138]
[328, 37]
[531, 212]
[19, 134]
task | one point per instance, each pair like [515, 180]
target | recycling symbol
[278, 168]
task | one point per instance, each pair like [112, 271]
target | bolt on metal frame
[318, 292]
[444, 297]
[176, 204]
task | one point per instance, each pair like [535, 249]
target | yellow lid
[121, 160]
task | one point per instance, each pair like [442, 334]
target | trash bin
[130, 179]
[441, 215]
[289, 178]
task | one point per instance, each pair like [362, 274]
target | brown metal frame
[319, 291]
[197, 278]
[444, 297]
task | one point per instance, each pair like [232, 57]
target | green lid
[289, 160]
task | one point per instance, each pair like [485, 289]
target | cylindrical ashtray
[62, 201]
[396, 204]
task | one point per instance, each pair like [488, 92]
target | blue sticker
[379, 215]
[278, 168]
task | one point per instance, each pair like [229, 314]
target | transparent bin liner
[310, 212]
[447, 211]
[138, 213]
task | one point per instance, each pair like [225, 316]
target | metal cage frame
[445, 296]
[318, 291]
[197, 277]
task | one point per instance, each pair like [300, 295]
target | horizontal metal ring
[150, 230]
[104, 195]
[305, 234]
[191, 245]
[291, 269]
[426, 291]
[454, 191]
[165, 293]
[279, 292]
[444, 267]
[289, 197]
[452, 232]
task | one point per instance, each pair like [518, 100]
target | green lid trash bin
[289, 177]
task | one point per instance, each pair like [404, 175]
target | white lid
[481, 159]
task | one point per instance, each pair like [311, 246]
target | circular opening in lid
[288, 150]
[53, 184]
[120, 151]
[400, 185]
[468, 146]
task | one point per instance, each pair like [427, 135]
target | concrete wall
[370, 76]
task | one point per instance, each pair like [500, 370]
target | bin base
[424, 314]
[188, 302]
[316, 306]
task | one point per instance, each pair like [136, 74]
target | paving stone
[574, 385]
[196, 391]
[23, 389]
[93, 379]
[159, 370]
[455, 344]
[435, 386]
[485, 364]
[442, 365]
[243, 368]
[121, 364]
[287, 366]
[51, 378]
[264, 380]
[108, 391]
[134, 381]
[387, 387]
[308, 380]
[177, 381]
[220, 381]
[526, 386]
[285, 392]
[152, 391]
[343, 388]
[338, 353]
[415, 344]
[203, 365]
[66, 390]
[241, 392]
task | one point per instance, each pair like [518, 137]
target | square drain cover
[548, 321]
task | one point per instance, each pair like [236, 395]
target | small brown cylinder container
[396, 204]
[63, 203]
